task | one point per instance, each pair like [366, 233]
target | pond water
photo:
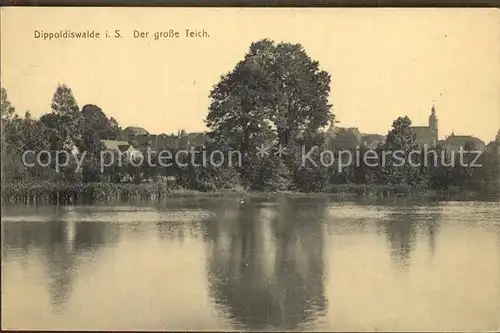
[286, 263]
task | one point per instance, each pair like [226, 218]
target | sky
[384, 63]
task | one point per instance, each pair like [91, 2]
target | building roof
[164, 141]
[460, 140]
[355, 131]
[372, 140]
[351, 137]
[139, 139]
[167, 141]
[373, 137]
[116, 145]
[183, 142]
[197, 138]
[135, 130]
[421, 130]
[153, 141]
[344, 138]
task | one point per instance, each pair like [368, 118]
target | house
[134, 130]
[339, 138]
[344, 138]
[372, 141]
[161, 142]
[153, 142]
[195, 139]
[121, 147]
[466, 142]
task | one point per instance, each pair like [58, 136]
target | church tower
[433, 125]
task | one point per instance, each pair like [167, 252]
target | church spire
[433, 124]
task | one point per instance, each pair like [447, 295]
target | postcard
[250, 169]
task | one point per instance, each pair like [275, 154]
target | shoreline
[69, 193]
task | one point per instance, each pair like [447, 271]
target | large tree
[6, 108]
[7, 113]
[402, 154]
[95, 120]
[21, 135]
[276, 95]
[296, 90]
[276, 86]
[64, 103]
[236, 117]
[96, 127]
[65, 121]
[116, 130]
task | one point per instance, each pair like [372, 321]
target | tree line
[275, 96]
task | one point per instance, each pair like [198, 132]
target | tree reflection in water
[265, 263]
[402, 227]
[63, 246]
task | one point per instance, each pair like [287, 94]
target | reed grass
[50, 192]
[46, 192]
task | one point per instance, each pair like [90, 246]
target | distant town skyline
[384, 63]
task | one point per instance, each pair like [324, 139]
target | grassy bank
[381, 191]
[86, 193]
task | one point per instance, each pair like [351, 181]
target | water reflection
[63, 247]
[401, 234]
[265, 267]
[431, 226]
[178, 231]
[402, 227]
[267, 264]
